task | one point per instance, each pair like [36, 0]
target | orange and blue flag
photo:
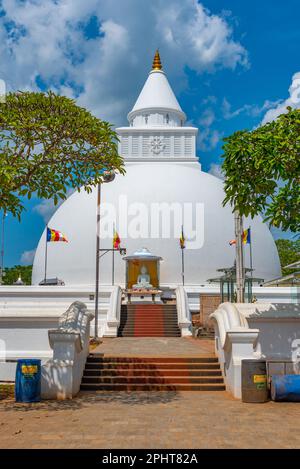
[54, 235]
[246, 238]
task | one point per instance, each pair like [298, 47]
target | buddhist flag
[54, 235]
[182, 239]
[246, 238]
[116, 240]
[232, 242]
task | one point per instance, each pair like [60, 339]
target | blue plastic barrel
[28, 381]
[285, 388]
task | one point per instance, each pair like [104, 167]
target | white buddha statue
[143, 280]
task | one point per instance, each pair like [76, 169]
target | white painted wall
[144, 184]
[24, 335]
[248, 331]
[62, 375]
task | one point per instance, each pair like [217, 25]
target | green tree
[11, 274]
[262, 171]
[289, 252]
[49, 144]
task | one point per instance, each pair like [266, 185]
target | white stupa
[163, 189]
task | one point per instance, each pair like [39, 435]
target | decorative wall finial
[156, 62]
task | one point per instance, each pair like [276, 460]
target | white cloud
[216, 170]
[293, 101]
[207, 118]
[46, 207]
[27, 257]
[208, 139]
[252, 110]
[45, 39]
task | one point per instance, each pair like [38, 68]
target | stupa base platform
[155, 346]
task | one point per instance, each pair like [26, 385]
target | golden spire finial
[156, 61]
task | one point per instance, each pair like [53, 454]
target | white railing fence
[113, 313]
[183, 311]
[253, 331]
[61, 376]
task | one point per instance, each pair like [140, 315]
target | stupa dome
[162, 192]
[143, 186]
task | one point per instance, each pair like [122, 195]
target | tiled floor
[150, 420]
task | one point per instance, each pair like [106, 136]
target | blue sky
[232, 64]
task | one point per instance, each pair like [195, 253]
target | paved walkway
[154, 346]
[149, 420]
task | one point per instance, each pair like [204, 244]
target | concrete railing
[253, 331]
[61, 376]
[113, 313]
[234, 342]
[183, 311]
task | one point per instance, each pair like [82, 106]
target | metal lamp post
[240, 273]
[108, 176]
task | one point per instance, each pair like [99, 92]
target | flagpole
[97, 260]
[113, 262]
[240, 272]
[182, 264]
[2, 248]
[250, 244]
[46, 255]
[251, 260]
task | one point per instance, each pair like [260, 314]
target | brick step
[146, 317]
[154, 327]
[149, 372]
[158, 307]
[159, 366]
[99, 358]
[150, 307]
[152, 314]
[149, 311]
[153, 334]
[152, 379]
[152, 387]
[151, 329]
[148, 331]
[148, 320]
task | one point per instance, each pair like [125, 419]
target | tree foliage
[49, 144]
[289, 252]
[11, 274]
[262, 171]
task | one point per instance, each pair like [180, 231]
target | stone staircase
[148, 320]
[108, 373]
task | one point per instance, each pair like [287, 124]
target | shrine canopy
[140, 259]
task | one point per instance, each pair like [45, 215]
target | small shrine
[227, 283]
[142, 270]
